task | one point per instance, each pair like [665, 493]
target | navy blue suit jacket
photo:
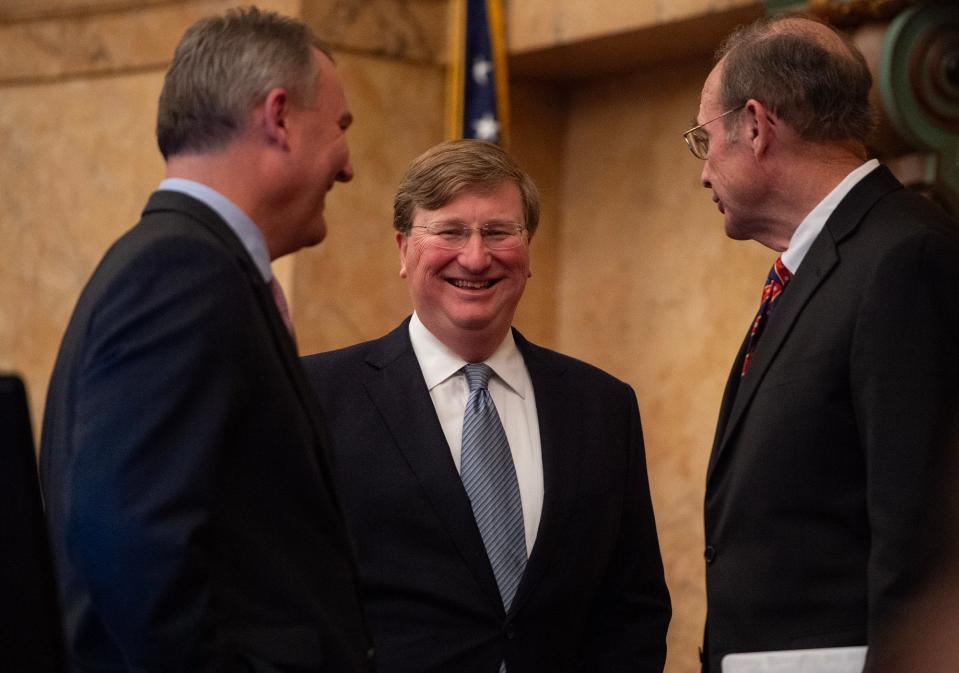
[593, 596]
[826, 464]
[189, 499]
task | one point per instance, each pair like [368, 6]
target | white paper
[822, 660]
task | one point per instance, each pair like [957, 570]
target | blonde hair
[445, 170]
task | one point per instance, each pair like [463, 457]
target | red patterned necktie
[779, 275]
[281, 305]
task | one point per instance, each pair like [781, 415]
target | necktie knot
[776, 282]
[477, 376]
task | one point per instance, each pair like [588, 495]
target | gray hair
[222, 67]
[819, 86]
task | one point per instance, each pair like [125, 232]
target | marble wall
[79, 80]
[651, 290]
[631, 269]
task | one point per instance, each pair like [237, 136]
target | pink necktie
[281, 305]
[779, 275]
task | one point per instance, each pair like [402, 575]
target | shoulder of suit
[903, 216]
[372, 354]
[583, 372]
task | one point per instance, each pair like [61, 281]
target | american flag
[477, 91]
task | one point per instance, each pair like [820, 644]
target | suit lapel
[819, 262]
[726, 407]
[282, 341]
[560, 429]
[399, 393]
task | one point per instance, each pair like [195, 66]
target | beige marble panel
[98, 43]
[652, 291]
[79, 159]
[538, 126]
[348, 288]
[628, 50]
[541, 24]
[409, 30]
[78, 162]
[19, 10]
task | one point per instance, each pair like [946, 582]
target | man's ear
[762, 125]
[276, 113]
[402, 241]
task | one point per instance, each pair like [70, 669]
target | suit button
[709, 554]
[510, 630]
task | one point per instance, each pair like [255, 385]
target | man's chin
[734, 232]
[317, 234]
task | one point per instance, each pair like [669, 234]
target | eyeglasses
[454, 235]
[697, 140]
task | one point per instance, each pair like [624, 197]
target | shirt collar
[439, 363]
[813, 223]
[245, 229]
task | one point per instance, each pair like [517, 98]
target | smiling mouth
[471, 284]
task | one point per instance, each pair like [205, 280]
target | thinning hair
[445, 170]
[223, 66]
[815, 82]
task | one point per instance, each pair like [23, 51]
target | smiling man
[496, 491]
[836, 421]
[190, 504]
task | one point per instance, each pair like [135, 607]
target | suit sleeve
[902, 375]
[156, 391]
[632, 610]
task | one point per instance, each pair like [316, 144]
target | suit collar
[183, 204]
[398, 389]
[438, 363]
[561, 441]
[823, 256]
[239, 222]
[816, 219]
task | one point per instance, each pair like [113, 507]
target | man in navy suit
[587, 592]
[838, 416]
[190, 502]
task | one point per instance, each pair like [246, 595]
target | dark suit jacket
[826, 452]
[189, 498]
[593, 596]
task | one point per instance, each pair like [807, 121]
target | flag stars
[481, 70]
[486, 128]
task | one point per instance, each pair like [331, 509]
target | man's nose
[346, 173]
[474, 254]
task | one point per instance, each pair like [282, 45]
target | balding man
[836, 410]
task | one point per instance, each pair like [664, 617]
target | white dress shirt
[512, 393]
[812, 224]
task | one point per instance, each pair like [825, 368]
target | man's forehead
[708, 96]
[485, 193]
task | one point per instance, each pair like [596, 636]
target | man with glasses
[496, 491]
[836, 414]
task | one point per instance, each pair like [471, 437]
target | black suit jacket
[593, 596]
[189, 499]
[826, 453]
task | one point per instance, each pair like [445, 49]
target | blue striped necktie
[489, 477]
